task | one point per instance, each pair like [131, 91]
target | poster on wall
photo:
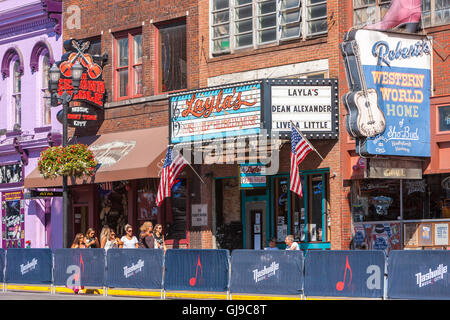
[425, 234]
[199, 215]
[312, 105]
[13, 220]
[389, 102]
[215, 112]
[11, 173]
[441, 234]
[410, 238]
[146, 206]
[380, 236]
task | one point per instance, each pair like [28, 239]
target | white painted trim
[289, 70]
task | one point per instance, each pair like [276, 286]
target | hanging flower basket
[75, 160]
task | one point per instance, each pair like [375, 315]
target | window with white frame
[17, 93]
[369, 11]
[435, 12]
[237, 24]
[45, 92]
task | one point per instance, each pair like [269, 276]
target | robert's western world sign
[388, 105]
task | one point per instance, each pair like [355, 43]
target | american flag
[170, 171]
[300, 149]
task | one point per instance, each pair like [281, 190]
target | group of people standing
[148, 238]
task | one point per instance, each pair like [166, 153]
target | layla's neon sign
[203, 108]
[381, 51]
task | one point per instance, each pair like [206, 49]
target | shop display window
[380, 199]
[304, 217]
[147, 210]
[176, 216]
[375, 200]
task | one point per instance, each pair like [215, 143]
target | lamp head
[54, 78]
[77, 72]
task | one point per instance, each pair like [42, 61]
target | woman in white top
[129, 241]
[112, 241]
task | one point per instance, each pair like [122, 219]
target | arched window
[17, 93]
[45, 92]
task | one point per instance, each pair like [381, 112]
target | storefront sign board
[312, 105]
[394, 169]
[252, 175]
[92, 87]
[215, 112]
[397, 67]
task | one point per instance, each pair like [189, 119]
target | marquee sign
[312, 104]
[215, 112]
[390, 85]
[92, 86]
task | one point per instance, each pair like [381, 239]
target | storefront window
[414, 200]
[147, 210]
[375, 200]
[280, 205]
[317, 188]
[306, 216]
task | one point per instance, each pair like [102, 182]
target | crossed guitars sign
[94, 70]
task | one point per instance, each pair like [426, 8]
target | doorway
[255, 213]
[80, 219]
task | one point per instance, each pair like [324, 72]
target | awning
[125, 155]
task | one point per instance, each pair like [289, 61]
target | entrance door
[255, 223]
[80, 219]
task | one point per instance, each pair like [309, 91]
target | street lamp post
[64, 99]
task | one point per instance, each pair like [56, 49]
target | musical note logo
[193, 280]
[341, 284]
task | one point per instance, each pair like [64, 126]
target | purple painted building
[30, 42]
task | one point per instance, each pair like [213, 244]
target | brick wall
[106, 17]
[296, 51]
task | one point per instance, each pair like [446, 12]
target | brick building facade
[236, 44]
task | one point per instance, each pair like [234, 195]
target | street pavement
[15, 295]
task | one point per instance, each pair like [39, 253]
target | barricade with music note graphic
[344, 273]
[79, 267]
[135, 268]
[418, 274]
[196, 270]
[25, 266]
[267, 272]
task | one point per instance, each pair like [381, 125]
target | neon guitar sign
[92, 87]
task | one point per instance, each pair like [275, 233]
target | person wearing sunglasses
[159, 237]
[113, 241]
[91, 239]
[129, 241]
[146, 239]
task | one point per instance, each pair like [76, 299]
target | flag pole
[307, 141]
[194, 171]
[189, 164]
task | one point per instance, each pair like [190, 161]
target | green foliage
[74, 160]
